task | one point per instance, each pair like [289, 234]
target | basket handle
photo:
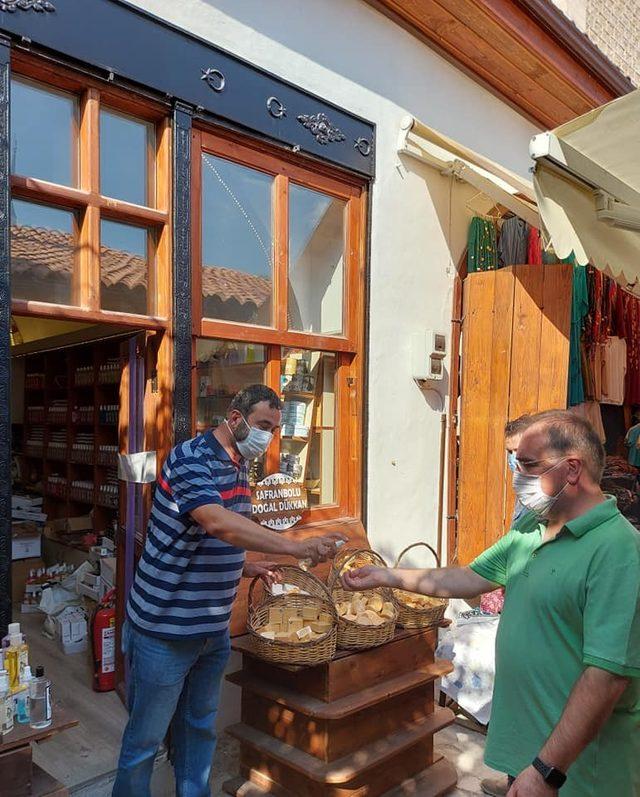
[416, 545]
[284, 569]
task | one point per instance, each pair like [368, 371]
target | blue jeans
[177, 683]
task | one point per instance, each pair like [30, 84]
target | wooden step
[351, 766]
[343, 707]
[435, 781]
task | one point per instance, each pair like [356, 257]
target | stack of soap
[366, 609]
[415, 601]
[296, 623]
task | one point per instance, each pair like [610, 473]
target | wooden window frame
[347, 347]
[91, 206]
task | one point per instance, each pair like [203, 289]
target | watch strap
[551, 775]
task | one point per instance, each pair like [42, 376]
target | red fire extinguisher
[103, 642]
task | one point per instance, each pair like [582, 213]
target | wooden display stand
[361, 725]
[19, 776]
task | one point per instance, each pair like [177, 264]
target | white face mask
[255, 443]
[528, 489]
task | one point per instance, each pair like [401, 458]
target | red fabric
[534, 247]
[492, 602]
[632, 316]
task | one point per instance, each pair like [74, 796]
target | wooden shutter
[515, 360]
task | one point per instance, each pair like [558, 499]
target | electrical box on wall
[428, 350]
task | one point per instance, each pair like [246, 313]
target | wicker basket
[430, 616]
[352, 635]
[358, 557]
[316, 651]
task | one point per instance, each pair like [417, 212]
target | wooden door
[515, 360]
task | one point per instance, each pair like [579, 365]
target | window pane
[43, 134]
[237, 242]
[307, 448]
[316, 261]
[126, 151]
[124, 268]
[224, 368]
[43, 252]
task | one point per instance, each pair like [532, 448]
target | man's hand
[529, 783]
[367, 577]
[320, 549]
[269, 572]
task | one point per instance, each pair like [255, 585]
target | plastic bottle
[23, 707]
[16, 654]
[40, 700]
[6, 703]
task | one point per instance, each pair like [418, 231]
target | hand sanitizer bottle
[23, 712]
[6, 704]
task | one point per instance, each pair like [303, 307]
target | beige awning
[504, 187]
[587, 184]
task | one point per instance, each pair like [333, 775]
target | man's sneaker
[495, 787]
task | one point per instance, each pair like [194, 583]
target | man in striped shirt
[176, 637]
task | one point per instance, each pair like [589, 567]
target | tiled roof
[42, 251]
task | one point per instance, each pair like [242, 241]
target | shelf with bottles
[108, 414]
[109, 372]
[57, 445]
[107, 456]
[34, 381]
[56, 485]
[83, 415]
[108, 491]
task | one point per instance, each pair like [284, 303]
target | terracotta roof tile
[41, 251]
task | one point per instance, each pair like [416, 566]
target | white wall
[348, 53]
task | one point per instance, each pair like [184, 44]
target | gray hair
[568, 433]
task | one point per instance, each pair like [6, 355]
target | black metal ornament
[321, 128]
[214, 79]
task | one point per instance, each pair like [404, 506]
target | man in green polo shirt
[567, 690]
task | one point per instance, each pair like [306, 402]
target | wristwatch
[552, 776]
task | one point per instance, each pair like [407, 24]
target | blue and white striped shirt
[186, 580]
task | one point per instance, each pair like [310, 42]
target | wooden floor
[90, 750]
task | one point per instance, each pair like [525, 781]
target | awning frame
[422, 143]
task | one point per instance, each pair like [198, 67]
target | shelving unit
[69, 452]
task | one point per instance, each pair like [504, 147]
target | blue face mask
[511, 461]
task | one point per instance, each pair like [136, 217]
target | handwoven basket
[307, 654]
[352, 635]
[428, 617]
[358, 557]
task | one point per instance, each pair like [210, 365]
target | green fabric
[631, 441]
[579, 309]
[482, 246]
[570, 603]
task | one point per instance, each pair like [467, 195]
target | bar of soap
[268, 634]
[309, 613]
[375, 603]
[387, 610]
[325, 617]
[289, 613]
[320, 628]
[358, 605]
[304, 634]
[275, 615]
[342, 608]
[295, 624]
[283, 636]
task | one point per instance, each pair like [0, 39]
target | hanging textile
[633, 350]
[482, 246]
[579, 309]
[513, 243]
[534, 248]
[615, 369]
[589, 380]
[632, 442]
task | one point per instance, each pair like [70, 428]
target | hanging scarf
[482, 247]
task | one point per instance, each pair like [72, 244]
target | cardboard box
[68, 525]
[71, 630]
[19, 575]
[108, 571]
[26, 541]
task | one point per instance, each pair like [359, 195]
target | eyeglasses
[523, 467]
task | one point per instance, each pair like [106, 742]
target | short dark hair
[517, 426]
[246, 399]
[567, 433]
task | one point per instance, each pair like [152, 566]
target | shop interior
[66, 424]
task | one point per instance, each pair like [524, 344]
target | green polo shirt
[570, 603]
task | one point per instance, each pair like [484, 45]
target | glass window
[316, 261]
[307, 448]
[43, 252]
[127, 149]
[44, 132]
[223, 368]
[237, 242]
[124, 266]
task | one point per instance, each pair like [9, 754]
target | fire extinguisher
[103, 643]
